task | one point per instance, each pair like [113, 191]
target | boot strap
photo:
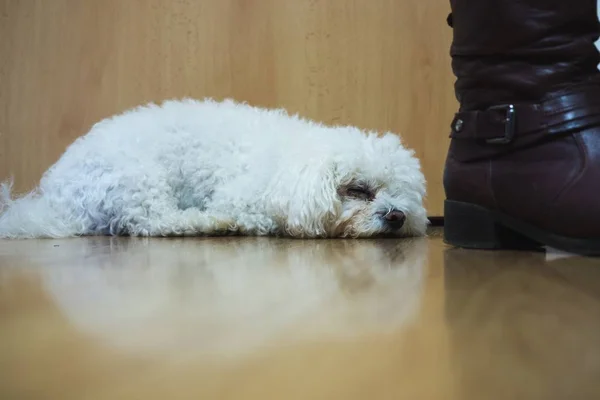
[563, 112]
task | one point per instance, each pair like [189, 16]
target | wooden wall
[377, 64]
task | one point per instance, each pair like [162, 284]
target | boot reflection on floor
[522, 327]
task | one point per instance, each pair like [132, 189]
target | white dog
[209, 168]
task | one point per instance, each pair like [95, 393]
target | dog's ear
[304, 197]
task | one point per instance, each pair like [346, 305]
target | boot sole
[474, 227]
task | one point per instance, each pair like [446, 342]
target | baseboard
[436, 221]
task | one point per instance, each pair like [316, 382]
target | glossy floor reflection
[258, 318]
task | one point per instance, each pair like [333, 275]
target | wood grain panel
[378, 64]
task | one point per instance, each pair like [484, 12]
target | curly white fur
[190, 167]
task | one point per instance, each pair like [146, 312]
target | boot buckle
[509, 124]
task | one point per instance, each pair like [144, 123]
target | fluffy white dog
[191, 167]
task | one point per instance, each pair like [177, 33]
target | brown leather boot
[523, 168]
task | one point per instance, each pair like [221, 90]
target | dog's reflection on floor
[221, 297]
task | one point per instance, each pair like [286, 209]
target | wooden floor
[102, 318]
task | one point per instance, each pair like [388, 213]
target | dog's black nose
[395, 219]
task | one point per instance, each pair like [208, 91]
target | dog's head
[350, 184]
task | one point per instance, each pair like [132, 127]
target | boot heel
[473, 227]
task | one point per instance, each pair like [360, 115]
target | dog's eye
[360, 193]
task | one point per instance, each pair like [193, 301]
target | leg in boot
[524, 157]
